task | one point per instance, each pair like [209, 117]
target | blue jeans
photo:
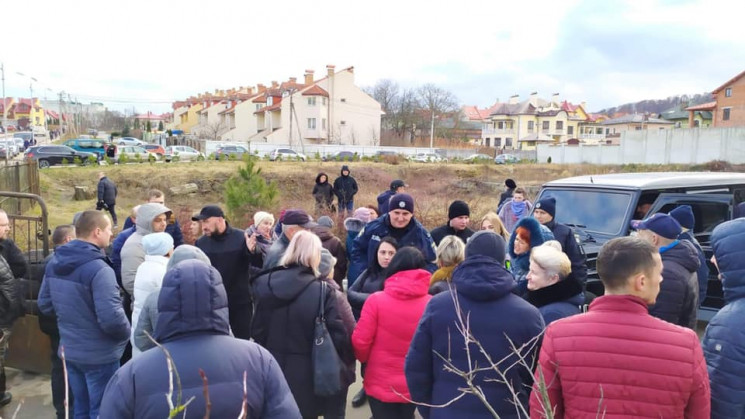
[346, 206]
[88, 381]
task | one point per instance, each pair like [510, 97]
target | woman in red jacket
[384, 332]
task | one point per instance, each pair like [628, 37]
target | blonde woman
[287, 301]
[450, 253]
[491, 221]
[551, 289]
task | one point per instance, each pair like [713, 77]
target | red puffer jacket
[617, 361]
[384, 332]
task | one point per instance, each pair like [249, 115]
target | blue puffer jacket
[724, 340]
[80, 288]
[193, 327]
[383, 199]
[520, 264]
[414, 234]
[484, 290]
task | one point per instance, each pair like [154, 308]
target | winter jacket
[565, 235]
[504, 197]
[559, 300]
[369, 282]
[724, 340]
[116, 252]
[230, 256]
[703, 269]
[133, 254]
[48, 324]
[11, 296]
[332, 243]
[146, 322]
[484, 292]
[263, 244]
[414, 234]
[520, 264]
[345, 187]
[323, 192]
[194, 328]
[440, 280]
[353, 227]
[173, 229]
[107, 191]
[80, 289]
[619, 360]
[275, 252]
[677, 301]
[384, 332]
[14, 257]
[440, 232]
[287, 302]
[148, 279]
[508, 217]
[384, 200]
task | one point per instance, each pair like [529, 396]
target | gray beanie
[186, 252]
[326, 221]
[486, 243]
[327, 263]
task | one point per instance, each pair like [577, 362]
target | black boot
[6, 398]
[359, 399]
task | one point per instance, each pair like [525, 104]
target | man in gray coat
[151, 218]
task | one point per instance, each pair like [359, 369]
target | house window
[487, 142]
[559, 125]
[725, 114]
[599, 131]
[531, 124]
[269, 101]
[500, 125]
[546, 125]
[570, 129]
[323, 101]
[508, 142]
[343, 100]
[311, 123]
[498, 142]
[696, 123]
[728, 92]
[258, 106]
[323, 123]
[638, 127]
[343, 123]
[311, 101]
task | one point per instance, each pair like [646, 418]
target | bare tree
[212, 131]
[386, 92]
[436, 101]
[375, 138]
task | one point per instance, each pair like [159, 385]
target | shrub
[151, 158]
[232, 157]
[65, 162]
[92, 159]
[247, 191]
[123, 159]
[317, 156]
[107, 159]
[548, 160]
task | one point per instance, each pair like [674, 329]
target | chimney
[260, 88]
[330, 70]
[584, 105]
[274, 84]
[249, 90]
[514, 99]
[217, 92]
[308, 77]
[555, 97]
[293, 80]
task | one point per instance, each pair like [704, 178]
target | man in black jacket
[545, 211]
[12, 266]
[677, 302]
[107, 196]
[509, 189]
[231, 252]
[345, 188]
[48, 324]
[458, 218]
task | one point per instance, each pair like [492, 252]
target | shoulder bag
[327, 365]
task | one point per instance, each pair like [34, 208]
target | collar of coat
[560, 291]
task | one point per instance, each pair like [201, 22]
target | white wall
[679, 146]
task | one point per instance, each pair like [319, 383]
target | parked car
[92, 131]
[129, 141]
[50, 155]
[340, 156]
[133, 153]
[19, 144]
[89, 145]
[610, 202]
[24, 136]
[506, 159]
[230, 150]
[182, 153]
[428, 158]
[478, 158]
[11, 145]
[156, 149]
[285, 154]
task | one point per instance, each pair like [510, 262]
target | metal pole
[432, 133]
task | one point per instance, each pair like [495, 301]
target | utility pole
[432, 132]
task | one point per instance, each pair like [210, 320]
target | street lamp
[31, 99]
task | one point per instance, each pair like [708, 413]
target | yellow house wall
[190, 118]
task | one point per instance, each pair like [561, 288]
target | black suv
[50, 155]
[601, 207]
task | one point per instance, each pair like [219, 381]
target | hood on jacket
[192, 301]
[482, 278]
[72, 255]
[186, 252]
[683, 253]
[323, 233]
[728, 243]
[146, 214]
[287, 283]
[318, 178]
[353, 224]
[409, 284]
[539, 234]
[343, 168]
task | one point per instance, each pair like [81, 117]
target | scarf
[518, 208]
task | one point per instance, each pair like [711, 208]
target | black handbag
[326, 362]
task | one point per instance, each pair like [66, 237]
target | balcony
[492, 132]
[591, 136]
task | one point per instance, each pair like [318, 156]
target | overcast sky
[146, 54]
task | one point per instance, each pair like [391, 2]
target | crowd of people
[452, 321]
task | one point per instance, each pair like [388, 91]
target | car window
[707, 215]
[601, 211]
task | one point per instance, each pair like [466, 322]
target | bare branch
[206, 393]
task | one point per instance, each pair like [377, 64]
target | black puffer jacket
[323, 192]
[368, 283]
[107, 191]
[11, 300]
[345, 187]
[287, 301]
[565, 235]
[14, 257]
[677, 301]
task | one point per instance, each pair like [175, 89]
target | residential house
[190, 118]
[729, 110]
[26, 112]
[6, 109]
[634, 122]
[240, 118]
[592, 131]
[680, 115]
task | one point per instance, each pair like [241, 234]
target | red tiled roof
[730, 81]
[315, 90]
[708, 106]
[566, 106]
[230, 109]
[260, 99]
[274, 107]
[52, 114]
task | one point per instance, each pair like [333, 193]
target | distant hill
[656, 106]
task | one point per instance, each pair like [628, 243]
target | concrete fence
[677, 146]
